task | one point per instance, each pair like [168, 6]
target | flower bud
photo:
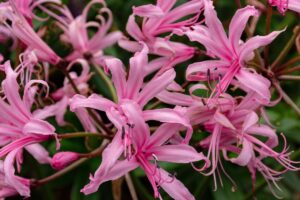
[63, 159]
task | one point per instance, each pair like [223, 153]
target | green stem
[83, 134]
[289, 77]
[268, 28]
[69, 168]
[285, 97]
[108, 82]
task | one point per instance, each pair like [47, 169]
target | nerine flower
[148, 152]
[237, 130]
[76, 32]
[132, 97]
[65, 93]
[20, 129]
[284, 5]
[232, 53]
[20, 27]
[160, 19]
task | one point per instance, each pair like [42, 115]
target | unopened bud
[63, 159]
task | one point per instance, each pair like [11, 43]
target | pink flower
[235, 128]
[63, 95]
[132, 97]
[23, 31]
[6, 190]
[162, 19]
[148, 151]
[76, 32]
[233, 55]
[284, 5]
[20, 129]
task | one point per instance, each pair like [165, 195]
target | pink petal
[119, 169]
[166, 5]
[94, 101]
[180, 153]
[215, 26]
[39, 153]
[155, 86]
[256, 83]
[148, 10]
[133, 29]
[58, 110]
[11, 90]
[38, 127]
[245, 155]
[238, 24]
[118, 75]
[223, 120]
[110, 155]
[206, 70]
[95, 44]
[254, 43]
[250, 120]
[136, 72]
[163, 133]
[20, 184]
[140, 130]
[172, 186]
[265, 131]
[175, 98]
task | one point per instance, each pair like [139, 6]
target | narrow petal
[148, 10]
[215, 25]
[118, 75]
[181, 153]
[175, 98]
[110, 155]
[166, 5]
[20, 184]
[254, 43]
[94, 101]
[38, 127]
[162, 134]
[10, 87]
[255, 82]
[133, 29]
[141, 131]
[206, 70]
[245, 155]
[39, 153]
[155, 86]
[223, 120]
[172, 186]
[166, 115]
[119, 169]
[250, 120]
[238, 24]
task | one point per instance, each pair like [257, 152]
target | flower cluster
[150, 116]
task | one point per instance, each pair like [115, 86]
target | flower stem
[287, 64]
[289, 77]
[107, 82]
[131, 187]
[70, 167]
[268, 28]
[62, 66]
[286, 98]
[83, 134]
[287, 48]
